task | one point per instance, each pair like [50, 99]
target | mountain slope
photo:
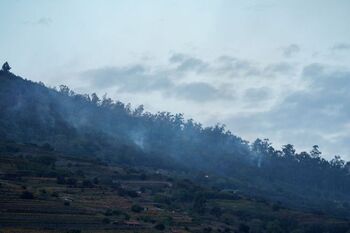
[45, 191]
[88, 127]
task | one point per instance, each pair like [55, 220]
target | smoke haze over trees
[99, 127]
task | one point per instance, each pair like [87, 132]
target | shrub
[96, 181]
[27, 195]
[110, 212]
[216, 211]
[207, 230]
[123, 192]
[274, 227]
[87, 184]
[54, 194]
[136, 208]
[160, 227]
[45, 160]
[276, 207]
[71, 181]
[60, 180]
[243, 228]
[47, 147]
[106, 220]
[132, 193]
[74, 231]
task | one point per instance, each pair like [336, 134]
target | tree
[65, 90]
[288, 151]
[303, 156]
[262, 146]
[106, 101]
[337, 162]
[95, 99]
[138, 111]
[6, 67]
[199, 204]
[315, 153]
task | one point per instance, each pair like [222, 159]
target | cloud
[140, 79]
[199, 91]
[43, 21]
[204, 80]
[233, 67]
[188, 63]
[133, 79]
[281, 68]
[318, 113]
[290, 50]
[341, 47]
[325, 101]
[257, 94]
[302, 105]
[314, 70]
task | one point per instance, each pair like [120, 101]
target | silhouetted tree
[6, 67]
[337, 162]
[288, 151]
[95, 99]
[315, 152]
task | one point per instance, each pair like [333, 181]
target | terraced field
[42, 191]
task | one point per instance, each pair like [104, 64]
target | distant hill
[88, 126]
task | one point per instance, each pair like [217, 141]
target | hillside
[108, 136]
[45, 191]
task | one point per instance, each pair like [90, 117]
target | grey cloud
[188, 63]
[133, 79]
[324, 105]
[44, 21]
[228, 66]
[200, 92]
[257, 94]
[237, 67]
[290, 50]
[327, 79]
[281, 68]
[234, 66]
[313, 70]
[139, 79]
[310, 116]
[318, 112]
[341, 47]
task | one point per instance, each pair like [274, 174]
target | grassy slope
[100, 198]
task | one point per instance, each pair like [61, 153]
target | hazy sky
[270, 69]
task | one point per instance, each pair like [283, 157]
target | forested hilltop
[89, 126]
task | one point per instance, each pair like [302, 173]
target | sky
[277, 69]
